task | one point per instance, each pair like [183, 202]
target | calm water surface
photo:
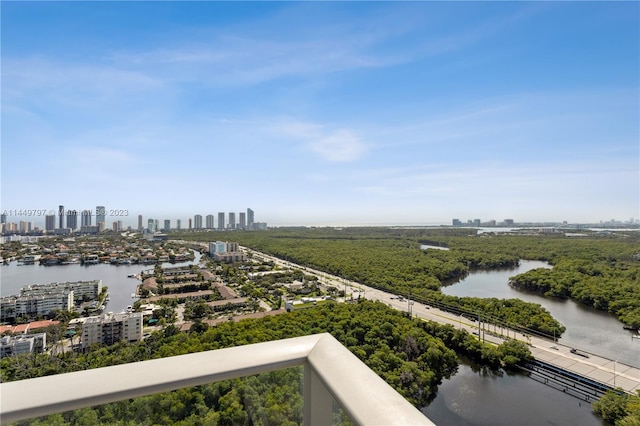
[588, 329]
[476, 398]
[13, 277]
[470, 397]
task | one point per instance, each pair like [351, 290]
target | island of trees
[413, 356]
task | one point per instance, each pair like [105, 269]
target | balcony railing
[331, 373]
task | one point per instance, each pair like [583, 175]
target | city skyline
[51, 220]
[198, 221]
[409, 113]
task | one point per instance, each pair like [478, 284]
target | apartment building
[22, 344]
[108, 329]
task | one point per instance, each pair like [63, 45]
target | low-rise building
[82, 289]
[108, 329]
[22, 344]
[230, 257]
[42, 304]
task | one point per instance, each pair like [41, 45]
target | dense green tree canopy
[598, 270]
[413, 356]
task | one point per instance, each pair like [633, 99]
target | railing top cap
[356, 387]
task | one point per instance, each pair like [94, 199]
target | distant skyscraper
[232, 220]
[156, 225]
[197, 221]
[243, 220]
[250, 219]
[178, 224]
[61, 217]
[72, 219]
[209, 221]
[167, 224]
[23, 226]
[150, 224]
[101, 215]
[220, 220]
[3, 218]
[190, 223]
[85, 220]
[139, 222]
[50, 222]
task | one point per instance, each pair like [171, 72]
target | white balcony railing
[331, 373]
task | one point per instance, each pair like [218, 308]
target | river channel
[476, 397]
[471, 397]
[588, 329]
[14, 276]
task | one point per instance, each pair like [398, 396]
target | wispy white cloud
[341, 145]
[334, 145]
[47, 79]
[239, 61]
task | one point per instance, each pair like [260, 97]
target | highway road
[600, 369]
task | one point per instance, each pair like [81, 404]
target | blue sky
[324, 113]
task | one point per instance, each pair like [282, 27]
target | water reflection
[588, 329]
[477, 396]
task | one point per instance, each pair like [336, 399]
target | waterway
[588, 329]
[13, 277]
[470, 397]
[476, 397]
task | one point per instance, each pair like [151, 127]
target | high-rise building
[243, 221]
[209, 221]
[101, 215]
[250, 219]
[156, 225]
[61, 217]
[23, 226]
[150, 224]
[190, 223]
[3, 218]
[50, 222]
[72, 219]
[140, 222]
[178, 224]
[85, 220]
[220, 220]
[167, 224]
[232, 220]
[197, 221]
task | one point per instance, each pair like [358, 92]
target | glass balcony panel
[267, 399]
[316, 368]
